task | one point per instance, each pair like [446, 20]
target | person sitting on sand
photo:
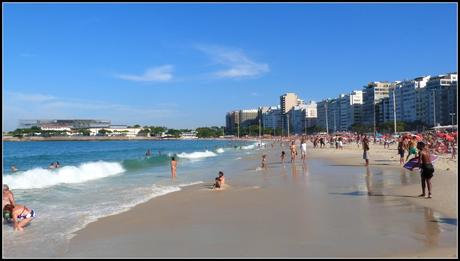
[220, 181]
[20, 214]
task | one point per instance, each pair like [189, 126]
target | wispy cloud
[155, 74]
[19, 106]
[237, 63]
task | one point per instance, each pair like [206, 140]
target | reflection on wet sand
[368, 181]
[432, 229]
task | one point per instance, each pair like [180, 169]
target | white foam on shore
[152, 192]
[42, 178]
[197, 154]
[220, 150]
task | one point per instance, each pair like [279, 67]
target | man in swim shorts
[426, 167]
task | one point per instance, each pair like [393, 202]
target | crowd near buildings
[429, 100]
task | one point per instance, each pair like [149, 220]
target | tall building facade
[272, 118]
[248, 117]
[232, 120]
[373, 94]
[440, 97]
[350, 109]
[405, 100]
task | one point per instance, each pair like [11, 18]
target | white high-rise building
[405, 97]
[271, 118]
[350, 106]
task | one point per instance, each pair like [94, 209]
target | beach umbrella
[418, 137]
[449, 138]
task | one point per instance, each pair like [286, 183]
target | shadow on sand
[365, 193]
[450, 221]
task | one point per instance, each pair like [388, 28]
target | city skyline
[168, 65]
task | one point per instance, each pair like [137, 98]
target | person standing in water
[263, 161]
[293, 151]
[401, 151]
[303, 147]
[282, 156]
[365, 150]
[13, 168]
[173, 167]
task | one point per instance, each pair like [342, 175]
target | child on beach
[282, 156]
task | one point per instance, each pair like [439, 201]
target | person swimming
[148, 153]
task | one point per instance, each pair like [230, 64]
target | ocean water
[98, 179]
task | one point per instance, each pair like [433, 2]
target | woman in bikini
[20, 214]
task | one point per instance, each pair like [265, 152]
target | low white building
[189, 135]
[116, 131]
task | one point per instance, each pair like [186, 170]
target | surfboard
[413, 163]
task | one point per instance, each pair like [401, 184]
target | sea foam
[197, 154]
[42, 178]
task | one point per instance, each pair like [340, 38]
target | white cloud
[237, 63]
[156, 74]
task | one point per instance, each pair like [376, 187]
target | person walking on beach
[365, 150]
[303, 150]
[8, 197]
[401, 151]
[282, 156]
[426, 167]
[412, 148]
[20, 214]
[293, 151]
[173, 167]
[340, 143]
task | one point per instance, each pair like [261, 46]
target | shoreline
[194, 191]
[113, 138]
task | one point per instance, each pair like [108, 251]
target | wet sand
[320, 209]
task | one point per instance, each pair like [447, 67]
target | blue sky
[186, 65]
